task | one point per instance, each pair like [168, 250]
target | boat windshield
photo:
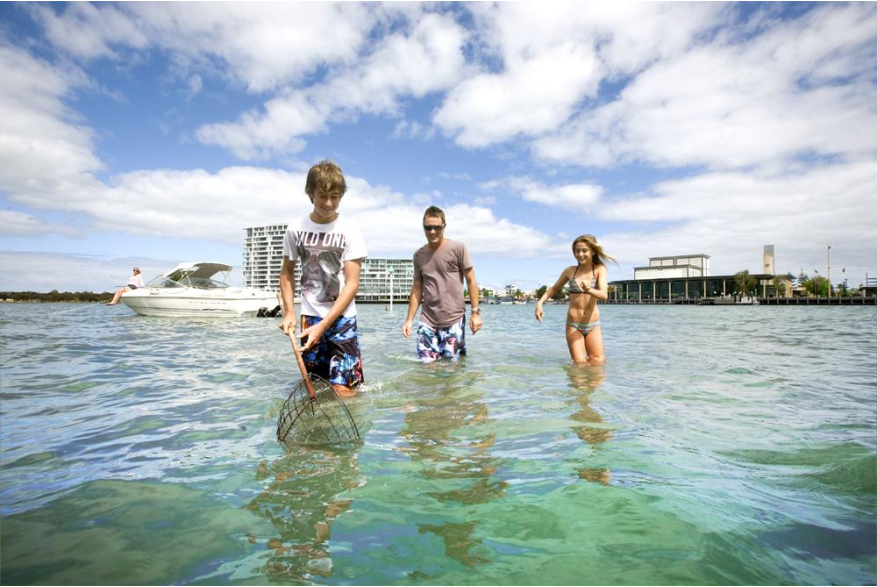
[186, 279]
[162, 281]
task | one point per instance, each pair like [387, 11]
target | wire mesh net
[320, 420]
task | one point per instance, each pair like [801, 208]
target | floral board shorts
[448, 342]
[336, 357]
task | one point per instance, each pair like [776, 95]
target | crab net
[323, 419]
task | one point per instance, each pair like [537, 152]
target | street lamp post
[390, 270]
[829, 271]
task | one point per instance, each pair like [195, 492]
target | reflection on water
[301, 502]
[444, 432]
[459, 540]
[585, 380]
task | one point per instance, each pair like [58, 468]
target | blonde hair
[600, 256]
[325, 177]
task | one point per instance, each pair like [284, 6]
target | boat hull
[156, 302]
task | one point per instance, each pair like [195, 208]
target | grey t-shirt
[441, 275]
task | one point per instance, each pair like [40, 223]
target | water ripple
[718, 445]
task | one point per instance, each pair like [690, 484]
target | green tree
[745, 283]
[541, 291]
[55, 296]
[816, 286]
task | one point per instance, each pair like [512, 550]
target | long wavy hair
[600, 256]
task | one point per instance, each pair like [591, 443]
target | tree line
[55, 296]
[814, 286]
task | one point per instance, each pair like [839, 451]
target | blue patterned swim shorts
[448, 342]
[336, 357]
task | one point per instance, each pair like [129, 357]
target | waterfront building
[671, 267]
[263, 259]
[686, 277]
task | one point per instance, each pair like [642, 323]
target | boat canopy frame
[194, 275]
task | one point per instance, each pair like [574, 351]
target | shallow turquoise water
[718, 446]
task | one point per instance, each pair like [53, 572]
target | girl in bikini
[587, 283]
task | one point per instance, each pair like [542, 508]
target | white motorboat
[189, 289]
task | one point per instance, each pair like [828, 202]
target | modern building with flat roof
[679, 266]
[686, 277]
[668, 289]
[380, 274]
[263, 259]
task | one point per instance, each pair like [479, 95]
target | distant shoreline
[101, 301]
[96, 298]
[820, 301]
[85, 297]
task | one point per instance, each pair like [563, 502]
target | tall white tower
[768, 263]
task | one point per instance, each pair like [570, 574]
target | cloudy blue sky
[150, 134]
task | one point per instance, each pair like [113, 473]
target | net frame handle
[302, 368]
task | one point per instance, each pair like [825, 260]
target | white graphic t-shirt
[320, 250]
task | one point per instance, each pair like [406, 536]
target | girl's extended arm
[558, 285]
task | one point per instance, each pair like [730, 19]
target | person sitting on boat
[134, 282]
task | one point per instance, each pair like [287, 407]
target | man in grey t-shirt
[439, 269]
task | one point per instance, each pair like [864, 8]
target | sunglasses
[433, 227]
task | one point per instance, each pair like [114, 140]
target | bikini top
[575, 288]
